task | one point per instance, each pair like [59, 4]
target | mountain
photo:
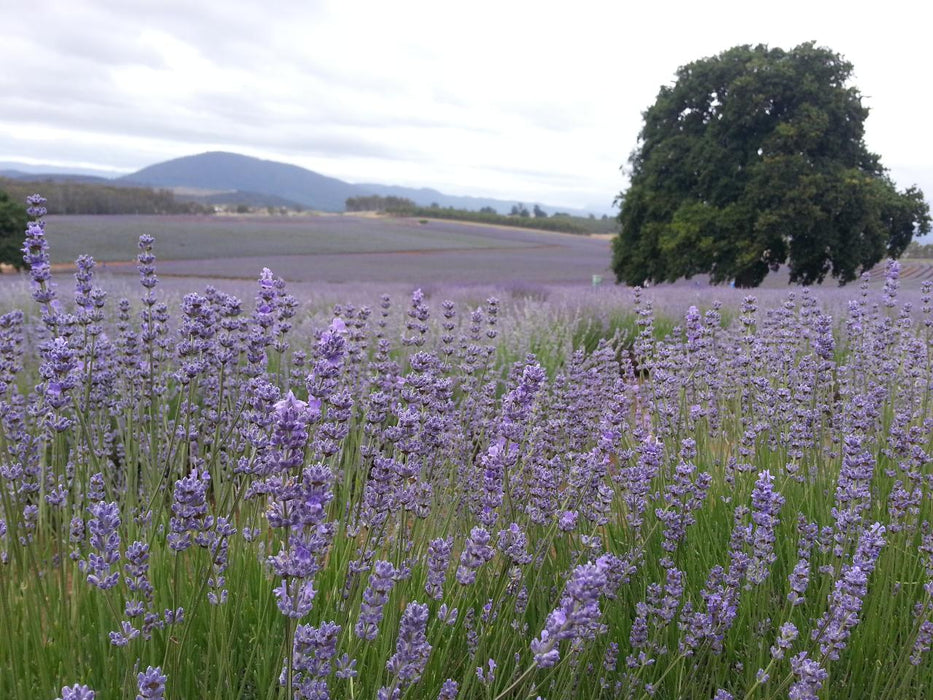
[220, 172]
[218, 177]
[230, 178]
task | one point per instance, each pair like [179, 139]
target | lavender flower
[438, 560]
[189, 508]
[810, 676]
[374, 599]
[105, 538]
[845, 602]
[313, 654]
[412, 648]
[514, 544]
[36, 255]
[76, 692]
[766, 507]
[151, 683]
[784, 641]
[476, 553]
[449, 690]
[576, 617]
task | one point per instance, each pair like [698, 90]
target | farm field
[679, 492]
[333, 249]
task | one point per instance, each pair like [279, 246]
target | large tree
[754, 158]
[13, 220]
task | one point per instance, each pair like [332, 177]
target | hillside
[221, 172]
[224, 173]
[224, 178]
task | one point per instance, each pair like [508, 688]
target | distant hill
[231, 172]
[237, 178]
[219, 177]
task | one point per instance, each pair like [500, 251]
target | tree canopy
[755, 158]
[13, 220]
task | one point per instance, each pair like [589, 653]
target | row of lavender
[207, 504]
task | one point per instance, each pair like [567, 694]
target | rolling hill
[219, 177]
[222, 174]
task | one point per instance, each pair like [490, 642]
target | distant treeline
[562, 223]
[375, 202]
[919, 250]
[92, 198]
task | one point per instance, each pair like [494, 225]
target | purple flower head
[151, 683]
[766, 507]
[375, 597]
[476, 553]
[835, 626]
[59, 372]
[105, 538]
[438, 560]
[567, 521]
[810, 676]
[784, 641]
[189, 508]
[76, 692]
[313, 655]
[412, 648]
[332, 347]
[449, 690]
[514, 544]
[576, 617]
[36, 206]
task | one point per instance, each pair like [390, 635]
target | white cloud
[534, 100]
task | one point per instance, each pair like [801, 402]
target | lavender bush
[575, 496]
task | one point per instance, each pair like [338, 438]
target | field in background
[347, 249]
[333, 249]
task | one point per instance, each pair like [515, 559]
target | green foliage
[93, 198]
[919, 250]
[519, 210]
[573, 224]
[13, 220]
[375, 202]
[755, 158]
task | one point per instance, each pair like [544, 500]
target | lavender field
[334, 249]
[555, 492]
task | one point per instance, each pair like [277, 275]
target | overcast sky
[538, 101]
